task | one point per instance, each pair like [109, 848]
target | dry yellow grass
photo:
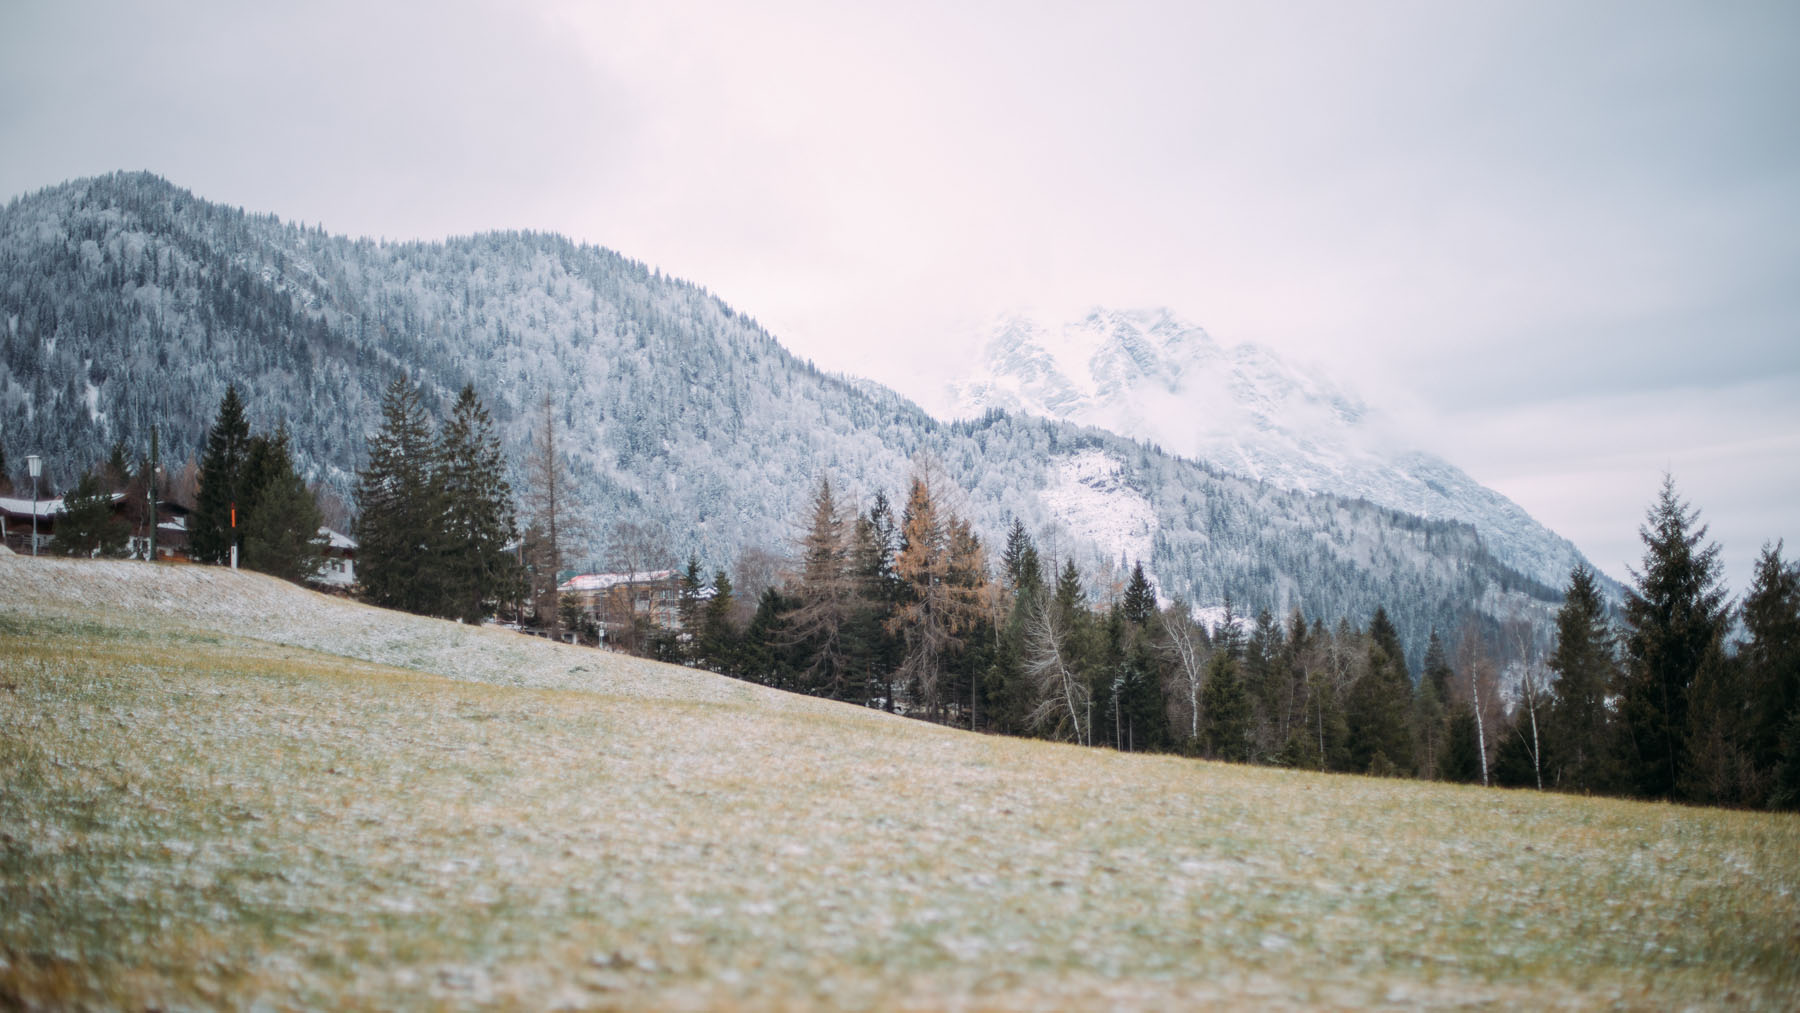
[222, 791]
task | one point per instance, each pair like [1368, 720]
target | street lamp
[35, 465]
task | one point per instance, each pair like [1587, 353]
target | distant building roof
[602, 581]
[338, 540]
[45, 507]
[23, 507]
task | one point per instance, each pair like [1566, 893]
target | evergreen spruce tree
[281, 520]
[117, 472]
[1770, 657]
[1070, 597]
[1379, 707]
[1140, 599]
[1108, 680]
[1290, 738]
[1673, 617]
[210, 534]
[689, 608]
[1011, 690]
[1146, 701]
[716, 639]
[875, 649]
[1333, 671]
[478, 522]
[1225, 717]
[1020, 560]
[1430, 713]
[87, 526]
[1718, 768]
[401, 510]
[766, 653]
[1461, 761]
[1227, 637]
[1264, 685]
[1784, 790]
[1580, 726]
[1010, 694]
[1437, 667]
[1383, 635]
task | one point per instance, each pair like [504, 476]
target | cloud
[1590, 466]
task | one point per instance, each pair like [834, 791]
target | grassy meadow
[217, 790]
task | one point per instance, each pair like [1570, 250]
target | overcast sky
[1559, 241]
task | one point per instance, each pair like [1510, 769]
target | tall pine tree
[210, 532]
[1225, 724]
[717, 639]
[1430, 718]
[875, 649]
[1140, 599]
[279, 517]
[1673, 618]
[401, 510]
[478, 519]
[1771, 673]
[1580, 731]
[1379, 707]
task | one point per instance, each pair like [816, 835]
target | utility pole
[35, 465]
[152, 469]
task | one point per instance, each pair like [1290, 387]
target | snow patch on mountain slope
[1088, 497]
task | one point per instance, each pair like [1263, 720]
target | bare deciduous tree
[1061, 693]
[1473, 659]
[561, 531]
[1521, 639]
[826, 594]
[939, 602]
[1182, 640]
[755, 571]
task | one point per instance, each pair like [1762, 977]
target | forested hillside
[126, 302]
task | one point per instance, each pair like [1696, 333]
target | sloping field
[220, 790]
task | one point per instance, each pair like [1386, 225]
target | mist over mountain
[126, 302]
[1150, 375]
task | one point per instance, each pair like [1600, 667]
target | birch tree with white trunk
[1060, 691]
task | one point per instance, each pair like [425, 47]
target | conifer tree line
[910, 614]
[1682, 695]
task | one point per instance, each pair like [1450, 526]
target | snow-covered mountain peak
[1150, 375]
